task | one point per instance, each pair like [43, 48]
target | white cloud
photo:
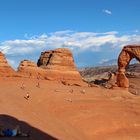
[21, 46]
[136, 31]
[78, 42]
[73, 40]
[109, 12]
[61, 33]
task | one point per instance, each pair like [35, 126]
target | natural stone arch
[127, 54]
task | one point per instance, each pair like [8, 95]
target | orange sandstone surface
[60, 106]
[55, 111]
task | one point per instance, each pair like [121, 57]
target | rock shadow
[9, 122]
[100, 82]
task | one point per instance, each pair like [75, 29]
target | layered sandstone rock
[53, 65]
[59, 65]
[29, 69]
[127, 54]
[59, 59]
[5, 68]
[26, 64]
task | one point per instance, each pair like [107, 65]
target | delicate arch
[127, 54]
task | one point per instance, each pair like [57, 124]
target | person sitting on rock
[12, 132]
[38, 85]
[27, 96]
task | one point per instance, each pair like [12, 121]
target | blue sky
[94, 30]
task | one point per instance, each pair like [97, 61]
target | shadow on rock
[9, 122]
[100, 81]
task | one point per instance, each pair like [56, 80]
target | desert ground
[56, 111]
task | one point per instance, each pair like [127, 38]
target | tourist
[12, 132]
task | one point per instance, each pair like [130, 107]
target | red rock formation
[29, 69]
[59, 64]
[5, 68]
[127, 54]
[53, 65]
[59, 59]
[26, 65]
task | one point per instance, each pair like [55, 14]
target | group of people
[23, 86]
[12, 132]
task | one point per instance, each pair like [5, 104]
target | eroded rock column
[123, 61]
[127, 54]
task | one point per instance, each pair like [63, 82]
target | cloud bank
[78, 42]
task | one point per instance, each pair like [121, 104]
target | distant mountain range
[92, 73]
[112, 62]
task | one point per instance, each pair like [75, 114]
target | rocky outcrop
[59, 65]
[26, 64]
[59, 59]
[5, 68]
[53, 65]
[29, 69]
[127, 54]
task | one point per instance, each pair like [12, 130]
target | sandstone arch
[127, 54]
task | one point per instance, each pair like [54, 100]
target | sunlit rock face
[59, 59]
[5, 68]
[127, 54]
[59, 64]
